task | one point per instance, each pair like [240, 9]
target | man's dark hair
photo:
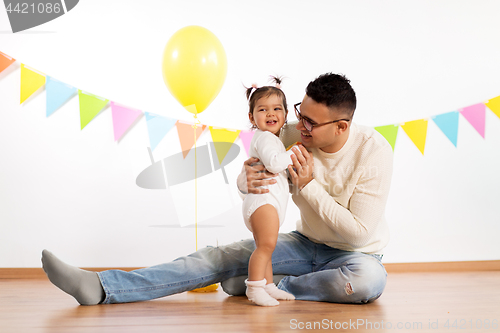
[333, 90]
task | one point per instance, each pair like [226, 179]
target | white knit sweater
[343, 206]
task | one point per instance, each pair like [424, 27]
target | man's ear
[342, 126]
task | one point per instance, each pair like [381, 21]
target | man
[340, 181]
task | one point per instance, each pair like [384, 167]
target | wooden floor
[412, 302]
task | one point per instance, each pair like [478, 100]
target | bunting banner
[186, 132]
[448, 124]
[90, 106]
[476, 116]
[223, 135]
[123, 119]
[494, 105]
[389, 132]
[417, 132]
[58, 93]
[5, 61]
[246, 139]
[158, 127]
[31, 81]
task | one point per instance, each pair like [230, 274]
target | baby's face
[268, 114]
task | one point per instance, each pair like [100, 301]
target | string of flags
[58, 93]
[447, 123]
[123, 117]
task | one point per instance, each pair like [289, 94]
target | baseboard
[452, 266]
[38, 273]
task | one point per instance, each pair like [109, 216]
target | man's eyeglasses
[308, 123]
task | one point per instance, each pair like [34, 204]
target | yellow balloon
[194, 67]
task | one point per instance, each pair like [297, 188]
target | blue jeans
[314, 272]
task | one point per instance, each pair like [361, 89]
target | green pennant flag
[389, 132]
[90, 106]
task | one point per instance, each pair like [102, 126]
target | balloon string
[196, 121]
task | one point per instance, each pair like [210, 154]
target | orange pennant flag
[5, 61]
[417, 132]
[186, 134]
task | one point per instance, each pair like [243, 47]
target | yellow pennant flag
[31, 81]
[494, 105]
[223, 135]
[417, 132]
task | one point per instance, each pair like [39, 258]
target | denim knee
[368, 282]
[360, 280]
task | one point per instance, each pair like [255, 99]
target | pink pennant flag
[476, 116]
[123, 119]
[246, 138]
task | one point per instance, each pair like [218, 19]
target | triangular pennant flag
[31, 81]
[448, 123]
[90, 106]
[5, 61]
[494, 105]
[186, 135]
[476, 116]
[123, 118]
[417, 132]
[389, 132]
[158, 127]
[246, 138]
[57, 94]
[223, 135]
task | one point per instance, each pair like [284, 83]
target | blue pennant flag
[57, 94]
[158, 127]
[448, 123]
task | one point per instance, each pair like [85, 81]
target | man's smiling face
[327, 137]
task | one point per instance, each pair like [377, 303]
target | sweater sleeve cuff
[311, 190]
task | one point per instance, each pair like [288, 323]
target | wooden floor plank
[418, 300]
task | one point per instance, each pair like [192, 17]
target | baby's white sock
[257, 294]
[276, 293]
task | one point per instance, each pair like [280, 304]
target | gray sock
[84, 286]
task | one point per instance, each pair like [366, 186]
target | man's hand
[254, 176]
[303, 167]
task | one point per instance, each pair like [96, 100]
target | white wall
[74, 191]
